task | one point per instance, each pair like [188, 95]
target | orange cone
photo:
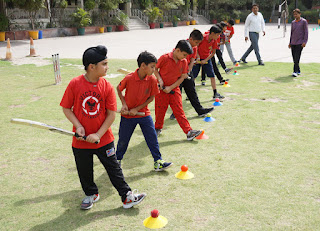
[32, 49]
[202, 136]
[8, 53]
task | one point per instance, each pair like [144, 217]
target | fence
[138, 13]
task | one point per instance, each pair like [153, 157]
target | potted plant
[104, 7]
[32, 7]
[4, 23]
[81, 19]
[153, 14]
[122, 21]
[236, 16]
[175, 21]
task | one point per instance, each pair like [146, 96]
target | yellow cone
[226, 84]
[184, 174]
[155, 221]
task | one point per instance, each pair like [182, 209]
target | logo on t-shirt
[91, 105]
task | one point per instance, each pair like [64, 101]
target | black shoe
[261, 63]
[205, 111]
[243, 60]
[223, 81]
[228, 70]
[172, 117]
[158, 131]
[218, 96]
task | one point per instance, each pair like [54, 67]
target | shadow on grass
[74, 219]
[284, 79]
[47, 85]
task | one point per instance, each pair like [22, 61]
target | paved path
[128, 44]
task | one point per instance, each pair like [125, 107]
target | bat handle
[84, 137]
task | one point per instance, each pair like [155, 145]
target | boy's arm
[204, 61]
[160, 81]
[123, 101]
[134, 111]
[94, 137]
[192, 60]
[168, 89]
[76, 123]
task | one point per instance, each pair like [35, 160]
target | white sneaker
[133, 199]
[88, 201]
[294, 74]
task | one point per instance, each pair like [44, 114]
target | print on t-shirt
[90, 104]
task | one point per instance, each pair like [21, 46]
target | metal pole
[296, 4]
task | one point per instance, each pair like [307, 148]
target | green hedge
[311, 15]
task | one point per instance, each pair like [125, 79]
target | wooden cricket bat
[124, 71]
[138, 113]
[47, 127]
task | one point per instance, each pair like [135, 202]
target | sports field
[259, 169]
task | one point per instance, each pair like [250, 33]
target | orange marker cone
[237, 64]
[155, 221]
[203, 136]
[184, 174]
[226, 84]
[8, 53]
[32, 49]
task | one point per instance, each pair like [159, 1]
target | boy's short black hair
[253, 5]
[146, 58]
[215, 29]
[231, 22]
[184, 46]
[196, 35]
[223, 24]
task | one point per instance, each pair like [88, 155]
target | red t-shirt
[229, 32]
[89, 103]
[205, 47]
[138, 91]
[170, 70]
[193, 55]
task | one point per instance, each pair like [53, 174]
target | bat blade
[42, 126]
[124, 71]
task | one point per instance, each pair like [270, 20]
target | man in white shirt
[253, 26]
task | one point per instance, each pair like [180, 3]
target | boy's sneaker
[161, 165]
[227, 70]
[172, 117]
[193, 134]
[223, 81]
[218, 96]
[294, 74]
[205, 111]
[299, 73]
[243, 60]
[133, 198]
[203, 82]
[158, 131]
[88, 201]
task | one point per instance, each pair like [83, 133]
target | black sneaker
[218, 96]
[227, 70]
[172, 117]
[158, 131]
[205, 111]
[203, 82]
[261, 63]
[223, 81]
[161, 165]
[133, 198]
[88, 201]
[243, 60]
[193, 134]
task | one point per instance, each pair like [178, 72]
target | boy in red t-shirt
[229, 32]
[206, 51]
[89, 102]
[171, 70]
[141, 87]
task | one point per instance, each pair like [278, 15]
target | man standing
[253, 26]
[298, 39]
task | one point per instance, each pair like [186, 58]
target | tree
[32, 6]
[105, 6]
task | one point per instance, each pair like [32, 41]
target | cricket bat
[47, 127]
[139, 113]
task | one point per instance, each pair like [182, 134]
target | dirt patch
[313, 122]
[268, 80]
[306, 84]
[273, 100]
[17, 105]
[35, 98]
[315, 106]
[38, 61]
[231, 93]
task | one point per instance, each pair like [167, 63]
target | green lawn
[259, 170]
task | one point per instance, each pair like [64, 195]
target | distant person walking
[298, 39]
[253, 26]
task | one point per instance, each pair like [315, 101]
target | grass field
[259, 170]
